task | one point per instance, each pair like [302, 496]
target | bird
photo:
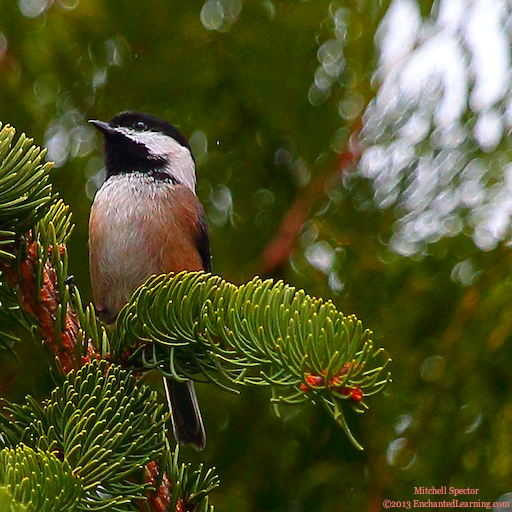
[147, 219]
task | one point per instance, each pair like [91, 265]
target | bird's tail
[187, 422]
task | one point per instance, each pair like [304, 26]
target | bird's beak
[103, 127]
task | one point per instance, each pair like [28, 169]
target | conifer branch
[24, 472]
[25, 193]
[193, 325]
[34, 227]
[109, 430]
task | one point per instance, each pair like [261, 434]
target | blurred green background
[357, 149]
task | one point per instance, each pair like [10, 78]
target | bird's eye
[140, 125]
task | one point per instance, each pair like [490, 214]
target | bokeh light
[421, 154]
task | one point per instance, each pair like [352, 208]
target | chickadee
[146, 219]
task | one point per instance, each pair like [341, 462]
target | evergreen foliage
[35, 480]
[25, 196]
[102, 424]
[261, 333]
[90, 442]
[24, 189]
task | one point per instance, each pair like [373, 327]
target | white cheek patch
[180, 162]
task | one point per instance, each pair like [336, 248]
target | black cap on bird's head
[138, 142]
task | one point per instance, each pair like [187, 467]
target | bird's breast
[134, 226]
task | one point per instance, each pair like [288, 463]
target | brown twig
[159, 500]
[44, 311]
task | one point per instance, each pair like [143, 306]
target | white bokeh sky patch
[441, 115]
